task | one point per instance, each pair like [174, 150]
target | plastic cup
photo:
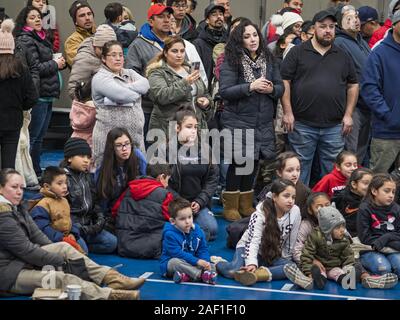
[57, 55]
[74, 291]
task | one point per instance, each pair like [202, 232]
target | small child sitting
[185, 255]
[329, 245]
[51, 210]
[141, 212]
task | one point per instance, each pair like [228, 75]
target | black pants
[9, 144]
[236, 182]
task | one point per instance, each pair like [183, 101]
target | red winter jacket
[331, 182]
[141, 189]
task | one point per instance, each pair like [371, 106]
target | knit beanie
[76, 5]
[290, 18]
[76, 147]
[104, 33]
[392, 5]
[328, 219]
[396, 18]
[7, 43]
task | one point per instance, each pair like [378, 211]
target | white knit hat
[104, 33]
[290, 18]
[7, 43]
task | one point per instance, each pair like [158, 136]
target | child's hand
[71, 236]
[204, 264]
[249, 268]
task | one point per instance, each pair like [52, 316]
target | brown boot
[230, 201]
[117, 281]
[124, 295]
[249, 278]
[246, 203]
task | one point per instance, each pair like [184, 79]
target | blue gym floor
[158, 288]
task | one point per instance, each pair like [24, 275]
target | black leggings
[242, 183]
[9, 144]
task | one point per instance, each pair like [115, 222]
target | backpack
[235, 231]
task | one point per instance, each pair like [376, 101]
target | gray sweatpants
[28, 280]
[194, 272]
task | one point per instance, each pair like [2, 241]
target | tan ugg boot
[246, 203]
[124, 295]
[249, 278]
[117, 281]
[230, 201]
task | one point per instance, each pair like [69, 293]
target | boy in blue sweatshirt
[185, 255]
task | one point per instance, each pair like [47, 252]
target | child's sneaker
[209, 277]
[180, 277]
[386, 281]
[294, 274]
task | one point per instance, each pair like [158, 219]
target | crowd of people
[313, 104]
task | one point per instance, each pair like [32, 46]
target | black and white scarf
[250, 65]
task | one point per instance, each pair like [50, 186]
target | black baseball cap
[322, 15]
[210, 8]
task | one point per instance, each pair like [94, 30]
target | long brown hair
[11, 66]
[271, 238]
[107, 181]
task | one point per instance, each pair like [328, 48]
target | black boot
[318, 277]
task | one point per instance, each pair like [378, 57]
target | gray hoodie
[86, 64]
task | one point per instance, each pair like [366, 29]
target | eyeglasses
[115, 55]
[120, 147]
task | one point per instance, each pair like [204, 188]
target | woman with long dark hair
[17, 93]
[250, 86]
[38, 53]
[122, 162]
[268, 243]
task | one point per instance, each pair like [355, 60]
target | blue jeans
[306, 141]
[41, 116]
[103, 242]
[83, 245]
[227, 269]
[207, 222]
[379, 263]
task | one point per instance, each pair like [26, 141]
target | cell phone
[195, 65]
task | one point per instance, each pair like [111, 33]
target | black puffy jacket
[82, 198]
[39, 58]
[140, 219]
[250, 110]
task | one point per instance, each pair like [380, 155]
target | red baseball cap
[157, 9]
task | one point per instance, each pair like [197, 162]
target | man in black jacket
[213, 34]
